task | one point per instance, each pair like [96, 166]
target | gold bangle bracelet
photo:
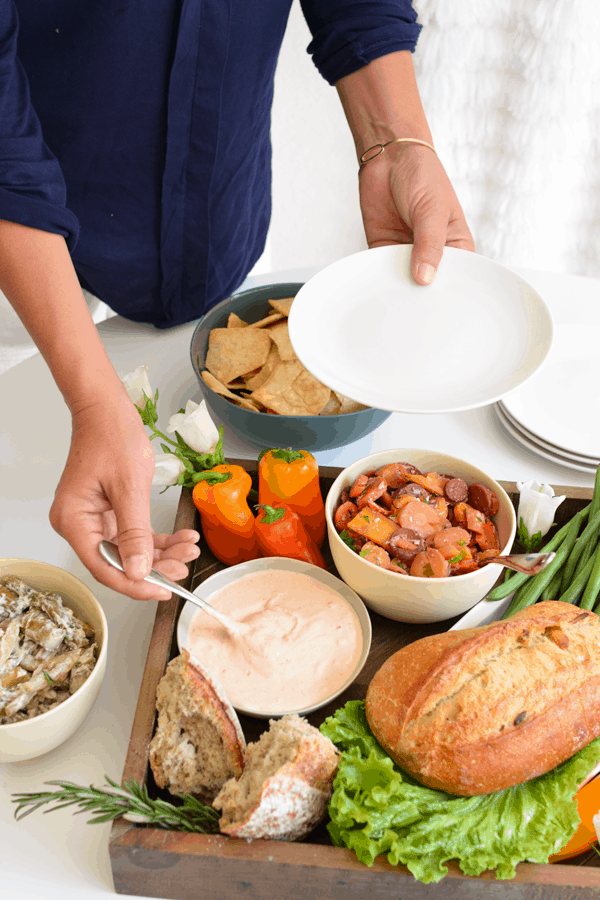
[365, 158]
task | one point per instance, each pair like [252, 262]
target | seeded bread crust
[199, 743]
[286, 784]
[479, 710]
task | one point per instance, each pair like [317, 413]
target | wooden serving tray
[154, 862]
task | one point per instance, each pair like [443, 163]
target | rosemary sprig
[130, 801]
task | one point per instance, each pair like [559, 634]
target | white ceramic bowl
[234, 573]
[20, 741]
[408, 598]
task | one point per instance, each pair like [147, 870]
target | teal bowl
[264, 430]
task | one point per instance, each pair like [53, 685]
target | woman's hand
[104, 493]
[406, 197]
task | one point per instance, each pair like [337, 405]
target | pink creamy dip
[301, 643]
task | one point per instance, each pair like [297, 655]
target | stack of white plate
[565, 435]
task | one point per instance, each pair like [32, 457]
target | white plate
[551, 448]
[233, 573]
[562, 406]
[483, 613]
[535, 448]
[364, 327]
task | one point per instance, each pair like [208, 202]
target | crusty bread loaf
[479, 710]
[198, 743]
[285, 786]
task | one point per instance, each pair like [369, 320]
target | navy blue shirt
[140, 132]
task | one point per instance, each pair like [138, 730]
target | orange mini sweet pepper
[220, 496]
[292, 477]
[281, 532]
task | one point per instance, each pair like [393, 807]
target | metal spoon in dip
[527, 563]
[110, 552]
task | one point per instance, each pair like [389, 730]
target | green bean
[504, 589]
[588, 550]
[577, 584]
[592, 588]
[585, 538]
[530, 592]
[552, 590]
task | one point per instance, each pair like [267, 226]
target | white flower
[167, 469]
[195, 427]
[137, 384]
[537, 505]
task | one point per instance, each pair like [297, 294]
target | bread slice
[199, 743]
[480, 710]
[285, 786]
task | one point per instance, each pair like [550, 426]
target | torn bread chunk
[199, 744]
[285, 786]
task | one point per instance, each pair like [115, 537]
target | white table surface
[44, 856]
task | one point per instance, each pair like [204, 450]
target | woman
[135, 162]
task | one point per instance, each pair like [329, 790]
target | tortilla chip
[235, 322]
[347, 405]
[269, 320]
[279, 333]
[219, 388]
[292, 391]
[282, 306]
[256, 379]
[332, 407]
[236, 351]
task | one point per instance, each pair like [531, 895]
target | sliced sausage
[376, 555]
[464, 566]
[404, 544]
[456, 490]
[397, 474]
[419, 517]
[429, 564]
[432, 482]
[344, 514]
[415, 490]
[483, 499]
[374, 489]
[488, 537]
[440, 506]
[453, 543]
[358, 486]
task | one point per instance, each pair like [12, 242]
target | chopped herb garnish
[364, 553]
[367, 519]
[457, 559]
[348, 540]
[48, 678]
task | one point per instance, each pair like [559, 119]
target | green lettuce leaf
[377, 808]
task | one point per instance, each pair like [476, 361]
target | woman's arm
[104, 491]
[405, 193]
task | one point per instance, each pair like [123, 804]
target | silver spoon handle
[527, 563]
[110, 552]
[157, 578]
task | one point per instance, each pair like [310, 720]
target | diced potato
[373, 526]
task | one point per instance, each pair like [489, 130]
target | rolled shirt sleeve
[32, 188]
[349, 34]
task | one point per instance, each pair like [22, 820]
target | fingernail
[137, 566]
[425, 273]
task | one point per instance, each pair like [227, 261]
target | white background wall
[512, 93]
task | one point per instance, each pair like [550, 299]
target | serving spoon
[110, 552]
[527, 563]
